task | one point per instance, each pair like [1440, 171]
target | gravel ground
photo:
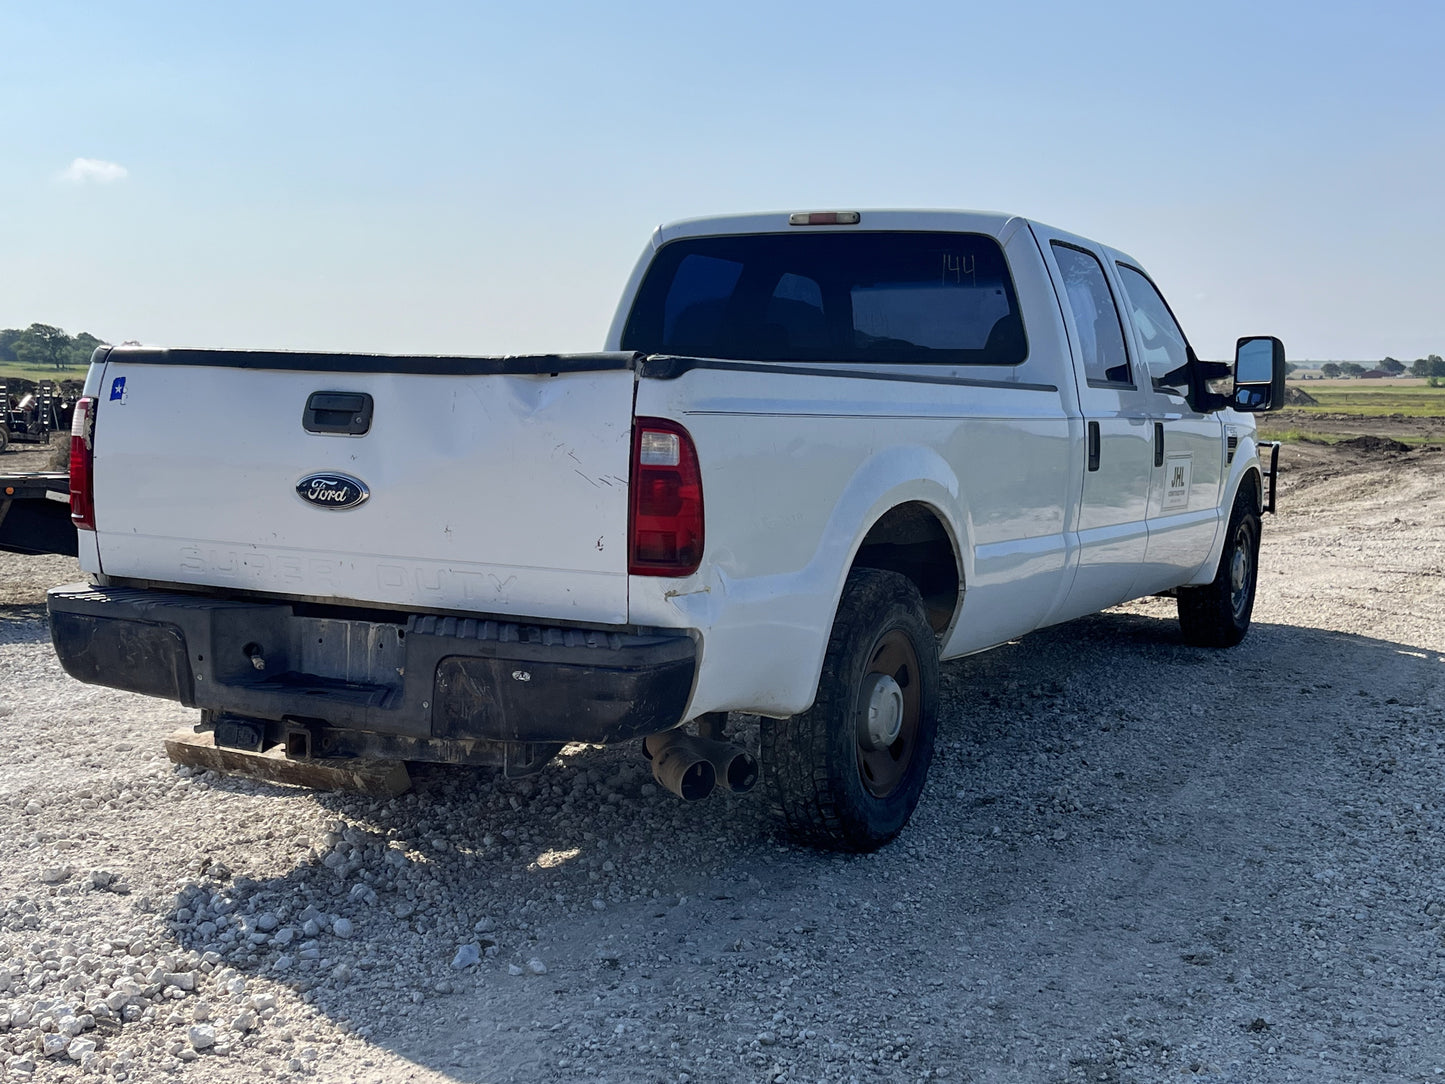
[1135, 861]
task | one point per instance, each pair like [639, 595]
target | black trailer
[35, 513]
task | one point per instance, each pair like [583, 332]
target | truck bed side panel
[799, 469]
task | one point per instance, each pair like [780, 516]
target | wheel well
[911, 540]
[1256, 485]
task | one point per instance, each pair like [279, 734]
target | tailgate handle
[345, 412]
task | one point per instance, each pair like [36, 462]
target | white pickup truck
[821, 452]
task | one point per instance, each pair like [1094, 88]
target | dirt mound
[1299, 397]
[1375, 445]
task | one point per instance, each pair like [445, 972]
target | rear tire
[1217, 614]
[847, 773]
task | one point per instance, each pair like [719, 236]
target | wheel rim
[882, 769]
[1241, 571]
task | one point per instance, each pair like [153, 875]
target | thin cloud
[86, 170]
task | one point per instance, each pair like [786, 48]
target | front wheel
[847, 773]
[1217, 614]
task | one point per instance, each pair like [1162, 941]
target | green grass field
[1297, 435]
[9, 370]
[1418, 401]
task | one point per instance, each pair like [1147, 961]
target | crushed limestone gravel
[1135, 861]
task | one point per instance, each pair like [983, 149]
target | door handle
[1093, 445]
[344, 412]
[1158, 444]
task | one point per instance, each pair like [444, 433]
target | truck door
[1188, 444]
[1111, 530]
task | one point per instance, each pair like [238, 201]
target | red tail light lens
[665, 524]
[82, 460]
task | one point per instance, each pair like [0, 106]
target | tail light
[665, 525]
[82, 462]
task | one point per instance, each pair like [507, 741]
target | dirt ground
[1391, 426]
[1135, 861]
[22, 458]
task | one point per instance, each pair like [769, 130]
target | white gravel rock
[201, 1036]
[54, 1043]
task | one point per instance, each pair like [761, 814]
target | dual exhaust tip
[692, 767]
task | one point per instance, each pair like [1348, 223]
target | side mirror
[1258, 374]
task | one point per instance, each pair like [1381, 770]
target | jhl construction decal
[1176, 481]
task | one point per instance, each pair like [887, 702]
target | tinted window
[1165, 351]
[944, 298]
[704, 285]
[1096, 316]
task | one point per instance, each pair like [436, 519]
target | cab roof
[993, 223]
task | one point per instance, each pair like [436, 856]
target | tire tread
[804, 791]
[1206, 616]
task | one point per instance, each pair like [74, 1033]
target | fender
[899, 476]
[763, 638]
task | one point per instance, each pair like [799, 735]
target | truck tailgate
[496, 485]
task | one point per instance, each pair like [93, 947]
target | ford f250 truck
[820, 452]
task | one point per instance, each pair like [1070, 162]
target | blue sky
[476, 178]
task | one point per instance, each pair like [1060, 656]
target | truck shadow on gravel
[1109, 814]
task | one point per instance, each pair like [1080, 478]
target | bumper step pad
[357, 775]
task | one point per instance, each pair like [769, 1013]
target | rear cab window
[902, 297]
[1096, 316]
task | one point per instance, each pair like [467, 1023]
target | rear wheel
[4, 438]
[1217, 614]
[847, 773]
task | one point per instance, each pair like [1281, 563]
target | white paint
[479, 486]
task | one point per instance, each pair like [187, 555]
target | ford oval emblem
[335, 491]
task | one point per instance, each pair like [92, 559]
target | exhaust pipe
[735, 767]
[678, 767]
[691, 767]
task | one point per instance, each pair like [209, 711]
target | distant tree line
[1432, 366]
[43, 344]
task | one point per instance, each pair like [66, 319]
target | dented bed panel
[216, 475]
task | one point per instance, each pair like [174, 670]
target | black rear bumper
[424, 680]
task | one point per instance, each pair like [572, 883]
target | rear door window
[944, 298]
[1096, 316]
